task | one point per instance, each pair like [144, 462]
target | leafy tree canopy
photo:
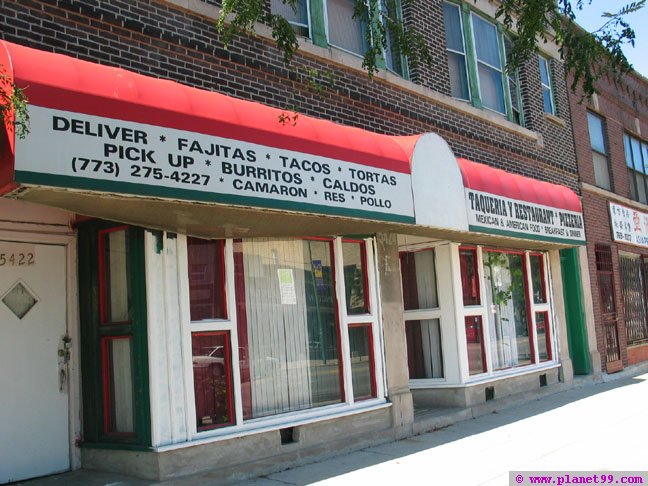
[587, 55]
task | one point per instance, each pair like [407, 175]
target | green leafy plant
[13, 105]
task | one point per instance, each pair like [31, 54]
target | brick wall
[155, 38]
[619, 104]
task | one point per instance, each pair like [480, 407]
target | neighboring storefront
[252, 291]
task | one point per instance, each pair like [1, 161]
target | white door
[34, 432]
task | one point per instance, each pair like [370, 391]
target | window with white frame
[506, 309]
[599, 151]
[300, 332]
[299, 17]
[476, 49]
[422, 314]
[456, 50]
[547, 90]
[345, 30]
[349, 32]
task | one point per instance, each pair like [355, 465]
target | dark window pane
[362, 361]
[544, 340]
[454, 35]
[469, 276]
[486, 44]
[418, 276]
[355, 277]
[458, 76]
[424, 350]
[475, 345]
[212, 379]
[206, 279]
[537, 278]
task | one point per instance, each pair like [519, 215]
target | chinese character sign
[629, 225]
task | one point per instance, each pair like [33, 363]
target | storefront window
[423, 324]
[537, 279]
[355, 277]
[212, 379]
[288, 332]
[469, 276]
[114, 276]
[206, 279]
[475, 345]
[542, 330]
[508, 317]
[362, 361]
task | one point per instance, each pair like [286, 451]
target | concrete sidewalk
[599, 427]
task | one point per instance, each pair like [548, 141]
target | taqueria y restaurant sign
[501, 203]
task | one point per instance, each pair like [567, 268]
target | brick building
[610, 134]
[195, 237]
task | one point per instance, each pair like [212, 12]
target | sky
[590, 19]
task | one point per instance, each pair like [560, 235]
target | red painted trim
[484, 178]
[223, 283]
[372, 361]
[227, 360]
[241, 327]
[103, 273]
[64, 83]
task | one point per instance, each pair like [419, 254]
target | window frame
[297, 25]
[472, 62]
[631, 164]
[604, 154]
[324, 40]
[482, 311]
[465, 47]
[96, 335]
[547, 61]
[230, 325]
[425, 314]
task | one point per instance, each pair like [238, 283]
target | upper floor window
[298, 17]
[599, 151]
[344, 30]
[477, 58]
[636, 154]
[456, 52]
[350, 32]
[547, 91]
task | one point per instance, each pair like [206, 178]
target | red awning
[65, 83]
[487, 179]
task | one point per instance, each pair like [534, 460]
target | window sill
[484, 377]
[279, 422]
[354, 62]
[555, 120]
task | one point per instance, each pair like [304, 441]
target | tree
[587, 55]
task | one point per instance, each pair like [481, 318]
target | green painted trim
[188, 195]
[471, 56]
[318, 23]
[575, 312]
[524, 236]
[92, 331]
[508, 105]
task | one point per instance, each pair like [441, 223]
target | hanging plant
[13, 106]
